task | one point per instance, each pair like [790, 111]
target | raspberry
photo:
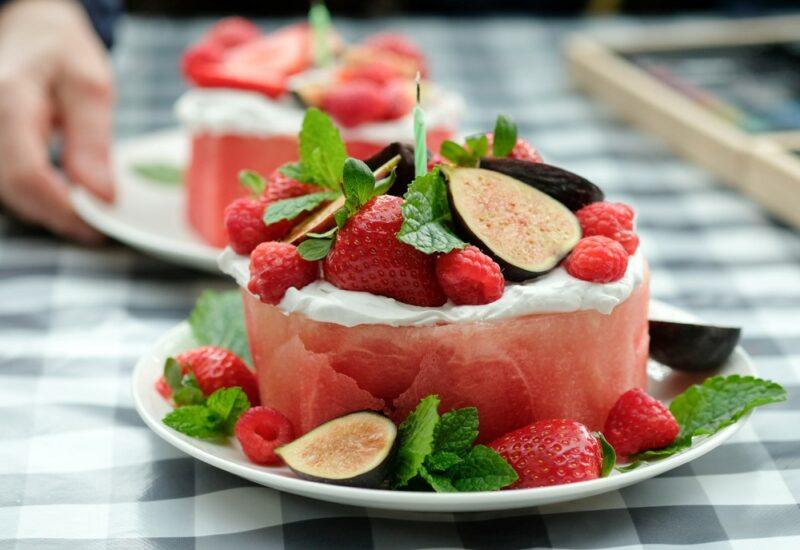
[637, 423]
[244, 222]
[281, 187]
[551, 452]
[275, 267]
[521, 151]
[468, 276]
[597, 259]
[261, 430]
[368, 257]
[217, 368]
[354, 103]
[612, 220]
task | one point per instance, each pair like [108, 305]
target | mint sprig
[185, 389]
[427, 216]
[160, 172]
[709, 407]
[213, 421]
[218, 320]
[505, 136]
[322, 151]
[253, 182]
[416, 440]
[503, 141]
[289, 209]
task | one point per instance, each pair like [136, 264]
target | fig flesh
[526, 231]
[405, 166]
[356, 449]
[692, 347]
[569, 189]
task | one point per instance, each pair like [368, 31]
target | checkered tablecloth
[78, 468]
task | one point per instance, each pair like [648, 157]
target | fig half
[692, 347]
[526, 231]
[355, 450]
[569, 189]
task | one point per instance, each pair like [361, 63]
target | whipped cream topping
[555, 292]
[229, 111]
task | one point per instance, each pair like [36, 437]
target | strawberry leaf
[505, 136]
[188, 392]
[609, 455]
[289, 209]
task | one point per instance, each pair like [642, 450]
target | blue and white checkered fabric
[78, 469]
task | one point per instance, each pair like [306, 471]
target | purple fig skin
[571, 190]
[405, 168]
[692, 347]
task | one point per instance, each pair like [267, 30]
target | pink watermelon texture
[515, 371]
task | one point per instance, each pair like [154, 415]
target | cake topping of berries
[215, 368]
[244, 222]
[551, 452]
[612, 220]
[637, 422]
[276, 267]
[598, 260]
[468, 276]
[261, 430]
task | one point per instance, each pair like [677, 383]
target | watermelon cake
[494, 280]
[249, 91]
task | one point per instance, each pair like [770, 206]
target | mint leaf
[195, 421]
[713, 405]
[505, 136]
[358, 183]
[440, 483]
[426, 214]
[341, 216]
[218, 320]
[253, 181]
[416, 440]
[322, 151]
[160, 172]
[382, 187]
[478, 146]
[314, 249]
[482, 470]
[289, 209]
[188, 392]
[173, 373]
[609, 455]
[441, 461]
[293, 170]
[456, 432]
[455, 153]
[228, 404]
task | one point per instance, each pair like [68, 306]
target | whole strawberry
[612, 220]
[246, 228]
[356, 102]
[551, 452]
[275, 267]
[521, 151]
[368, 257]
[216, 368]
[638, 422]
[281, 187]
[468, 276]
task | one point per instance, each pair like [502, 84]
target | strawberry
[354, 103]
[368, 257]
[468, 276]
[246, 228]
[216, 368]
[231, 32]
[638, 422]
[551, 452]
[281, 187]
[399, 96]
[275, 267]
[374, 70]
[261, 430]
[399, 45]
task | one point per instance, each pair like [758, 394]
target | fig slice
[569, 189]
[405, 165]
[356, 450]
[526, 231]
[692, 347]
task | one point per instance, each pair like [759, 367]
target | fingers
[84, 99]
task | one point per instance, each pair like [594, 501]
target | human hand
[54, 75]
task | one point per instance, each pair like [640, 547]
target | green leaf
[478, 146]
[505, 136]
[188, 392]
[426, 214]
[441, 461]
[327, 235]
[452, 151]
[218, 320]
[289, 209]
[482, 470]
[439, 483]
[322, 151]
[229, 404]
[382, 187]
[195, 421]
[173, 373]
[341, 216]
[609, 455]
[294, 170]
[456, 431]
[160, 172]
[314, 249]
[253, 181]
[713, 405]
[358, 183]
[416, 440]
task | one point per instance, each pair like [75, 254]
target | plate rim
[417, 500]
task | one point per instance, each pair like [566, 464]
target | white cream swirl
[555, 292]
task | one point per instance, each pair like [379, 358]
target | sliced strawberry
[231, 32]
[218, 76]
[285, 52]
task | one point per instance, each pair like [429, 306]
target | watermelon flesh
[216, 159]
[515, 371]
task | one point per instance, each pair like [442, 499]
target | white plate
[664, 384]
[148, 215]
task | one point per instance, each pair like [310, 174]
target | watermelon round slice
[515, 371]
